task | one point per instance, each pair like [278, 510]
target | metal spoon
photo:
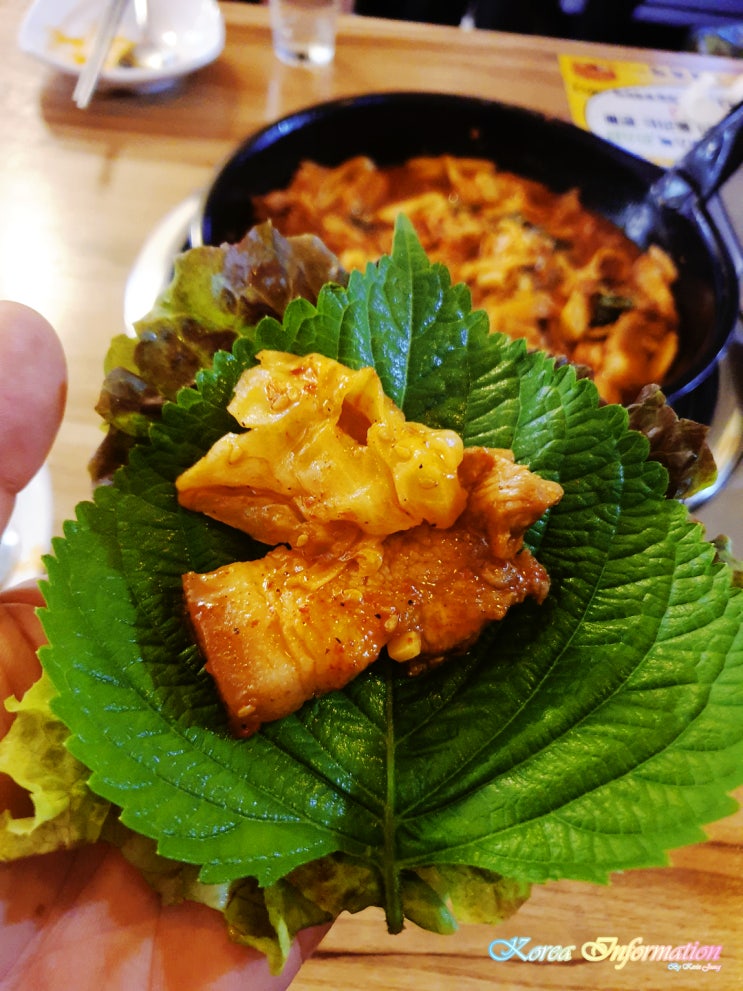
[145, 54]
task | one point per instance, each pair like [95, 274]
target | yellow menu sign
[655, 112]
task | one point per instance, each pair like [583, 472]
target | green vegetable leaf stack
[584, 736]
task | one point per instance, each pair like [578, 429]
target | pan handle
[691, 185]
[716, 157]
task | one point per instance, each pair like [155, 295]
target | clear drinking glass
[304, 30]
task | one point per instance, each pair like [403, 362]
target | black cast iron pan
[677, 209]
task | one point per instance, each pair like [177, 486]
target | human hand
[86, 919]
[33, 385]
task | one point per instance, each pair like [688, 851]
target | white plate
[28, 534]
[190, 32]
[153, 267]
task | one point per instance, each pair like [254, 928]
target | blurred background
[714, 27]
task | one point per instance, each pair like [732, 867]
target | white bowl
[190, 33]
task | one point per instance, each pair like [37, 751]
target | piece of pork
[280, 630]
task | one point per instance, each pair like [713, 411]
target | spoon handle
[141, 17]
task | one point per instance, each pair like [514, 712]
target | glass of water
[304, 30]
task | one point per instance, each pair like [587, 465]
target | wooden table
[79, 192]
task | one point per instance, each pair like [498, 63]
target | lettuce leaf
[585, 736]
[216, 294]
[680, 445]
[33, 753]
[724, 547]
[268, 918]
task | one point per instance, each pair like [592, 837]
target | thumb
[33, 387]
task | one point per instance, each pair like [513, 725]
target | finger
[33, 387]
[27, 592]
[20, 636]
[87, 920]
[194, 953]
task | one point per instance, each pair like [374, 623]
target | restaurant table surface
[79, 193]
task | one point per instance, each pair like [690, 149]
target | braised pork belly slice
[293, 625]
